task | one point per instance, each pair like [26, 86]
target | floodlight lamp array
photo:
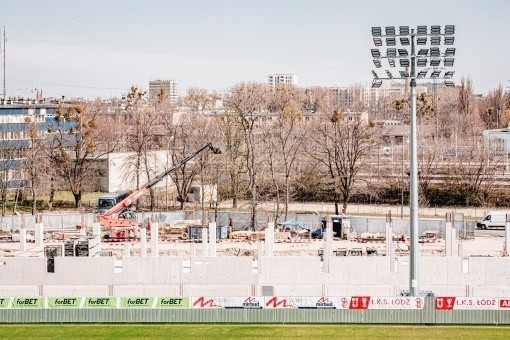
[430, 55]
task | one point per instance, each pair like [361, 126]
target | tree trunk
[52, 195]
[77, 200]
[34, 202]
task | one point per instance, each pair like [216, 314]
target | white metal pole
[413, 204]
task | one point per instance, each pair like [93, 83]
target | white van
[493, 219]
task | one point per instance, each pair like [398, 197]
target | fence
[239, 219]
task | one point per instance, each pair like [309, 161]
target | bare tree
[187, 134]
[248, 101]
[283, 140]
[341, 146]
[233, 155]
[77, 139]
[36, 163]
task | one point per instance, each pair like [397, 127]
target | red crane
[121, 221]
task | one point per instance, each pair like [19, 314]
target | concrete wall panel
[82, 271]
[19, 291]
[146, 290]
[142, 270]
[68, 291]
[216, 290]
[221, 270]
[285, 269]
[340, 290]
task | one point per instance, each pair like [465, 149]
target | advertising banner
[64, 302]
[136, 302]
[4, 302]
[399, 302]
[100, 302]
[279, 302]
[308, 302]
[28, 302]
[473, 303]
[250, 302]
[173, 302]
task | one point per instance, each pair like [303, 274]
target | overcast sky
[91, 48]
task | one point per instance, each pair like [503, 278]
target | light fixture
[404, 74]
[449, 74]
[390, 30]
[421, 41]
[404, 62]
[449, 40]
[377, 63]
[391, 42]
[449, 30]
[435, 74]
[436, 41]
[375, 74]
[376, 83]
[449, 83]
[391, 61]
[450, 52]
[421, 30]
[434, 52]
[435, 62]
[391, 53]
[421, 62]
[388, 73]
[422, 74]
[376, 53]
[404, 41]
[448, 62]
[404, 30]
[435, 30]
[377, 41]
[423, 52]
[376, 31]
[402, 52]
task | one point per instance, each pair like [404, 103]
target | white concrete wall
[234, 276]
[60, 291]
[15, 291]
[216, 290]
[150, 270]
[220, 270]
[146, 290]
[289, 269]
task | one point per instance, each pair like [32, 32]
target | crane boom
[106, 217]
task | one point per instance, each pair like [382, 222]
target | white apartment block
[166, 88]
[282, 79]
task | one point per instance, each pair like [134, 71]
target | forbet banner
[173, 302]
[64, 302]
[100, 302]
[136, 302]
[28, 302]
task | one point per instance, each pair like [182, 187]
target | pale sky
[99, 48]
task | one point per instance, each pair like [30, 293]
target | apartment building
[276, 80]
[164, 91]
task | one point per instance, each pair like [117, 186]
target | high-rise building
[282, 79]
[164, 91]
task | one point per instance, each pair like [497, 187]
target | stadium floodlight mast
[430, 56]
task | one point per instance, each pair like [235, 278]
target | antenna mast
[4, 61]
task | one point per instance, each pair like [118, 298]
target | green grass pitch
[247, 331]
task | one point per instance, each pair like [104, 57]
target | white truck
[493, 219]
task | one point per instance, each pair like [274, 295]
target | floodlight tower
[431, 54]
